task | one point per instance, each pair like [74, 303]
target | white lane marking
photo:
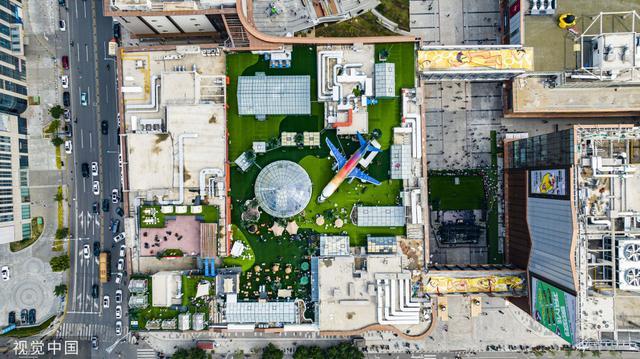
[84, 184]
[81, 138]
[76, 9]
[78, 53]
[85, 8]
[86, 51]
[90, 142]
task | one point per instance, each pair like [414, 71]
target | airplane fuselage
[342, 173]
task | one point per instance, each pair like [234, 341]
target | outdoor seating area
[182, 232]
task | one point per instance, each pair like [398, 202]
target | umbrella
[277, 229]
[292, 227]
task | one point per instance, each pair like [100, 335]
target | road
[92, 72]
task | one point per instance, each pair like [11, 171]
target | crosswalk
[84, 331]
[146, 354]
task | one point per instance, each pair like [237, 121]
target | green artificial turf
[403, 56]
[396, 11]
[247, 258]
[445, 195]
[362, 25]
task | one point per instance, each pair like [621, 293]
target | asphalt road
[92, 72]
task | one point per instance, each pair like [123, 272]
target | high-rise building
[13, 71]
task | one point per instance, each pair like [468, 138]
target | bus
[104, 267]
[113, 46]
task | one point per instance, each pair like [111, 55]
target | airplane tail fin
[361, 139]
[373, 148]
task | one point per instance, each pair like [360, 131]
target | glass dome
[283, 189]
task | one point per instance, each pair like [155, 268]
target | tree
[312, 352]
[60, 290]
[57, 141]
[53, 126]
[56, 111]
[60, 263]
[238, 354]
[191, 353]
[272, 352]
[58, 197]
[62, 233]
[344, 351]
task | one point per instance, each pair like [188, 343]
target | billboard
[548, 182]
[554, 308]
[476, 59]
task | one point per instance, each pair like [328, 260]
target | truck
[104, 267]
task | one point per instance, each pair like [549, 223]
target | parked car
[105, 301]
[119, 237]
[62, 25]
[118, 327]
[95, 291]
[67, 130]
[64, 79]
[96, 248]
[120, 265]
[6, 273]
[94, 169]
[96, 188]
[24, 314]
[94, 342]
[120, 211]
[118, 296]
[86, 251]
[115, 226]
[118, 311]
[123, 250]
[115, 196]
[68, 147]
[95, 208]
[12, 317]
[66, 99]
[62, 2]
[84, 99]
[32, 316]
[117, 33]
[65, 62]
[104, 127]
[67, 115]
[118, 278]
[84, 168]
[105, 205]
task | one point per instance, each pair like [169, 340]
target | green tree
[62, 233]
[57, 141]
[238, 354]
[312, 352]
[58, 197]
[344, 351]
[60, 290]
[272, 352]
[53, 126]
[60, 263]
[56, 111]
[191, 353]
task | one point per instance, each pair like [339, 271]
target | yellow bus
[104, 267]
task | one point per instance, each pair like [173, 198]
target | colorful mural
[442, 284]
[475, 59]
[554, 308]
[549, 182]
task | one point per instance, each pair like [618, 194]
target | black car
[115, 226]
[23, 316]
[12, 317]
[117, 34]
[95, 291]
[105, 205]
[95, 208]
[104, 127]
[96, 248]
[85, 169]
[32, 316]
[120, 211]
[66, 99]
[67, 130]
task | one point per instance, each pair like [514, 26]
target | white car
[123, 249]
[118, 119]
[96, 187]
[118, 311]
[64, 79]
[115, 196]
[118, 278]
[118, 327]
[86, 251]
[119, 296]
[63, 25]
[94, 169]
[105, 301]
[6, 274]
[68, 146]
[120, 265]
[119, 237]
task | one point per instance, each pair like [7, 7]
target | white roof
[166, 289]
[261, 312]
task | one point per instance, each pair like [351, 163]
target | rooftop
[168, 5]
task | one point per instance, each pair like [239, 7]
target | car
[6, 273]
[67, 115]
[105, 205]
[96, 188]
[119, 237]
[96, 248]
[67, 130]
[65, 62]
[105, 301]
[120, 211]
[62, 2]
[104, 127]
[85, 169]
[120, 265]
[12, 317]
[118, 119]
[94, 342]
[86, 251]
[115, 226]
[62, 25]
[118, 311]
[66, 99]
[24, 316]
[118, 327]
[118, 296]
[32, 317]
[64, 79]
[95, 208]
[123, 250]
[95, 291]
[68, 147]
[84, 99]
[118, 278]
[94, 169]
[117, 33]
[115, 196]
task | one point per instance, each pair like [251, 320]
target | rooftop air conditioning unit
[629, 264]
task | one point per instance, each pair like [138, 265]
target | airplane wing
[357, 173]
[336, 153]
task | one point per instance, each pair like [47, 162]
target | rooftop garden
[152, 216]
